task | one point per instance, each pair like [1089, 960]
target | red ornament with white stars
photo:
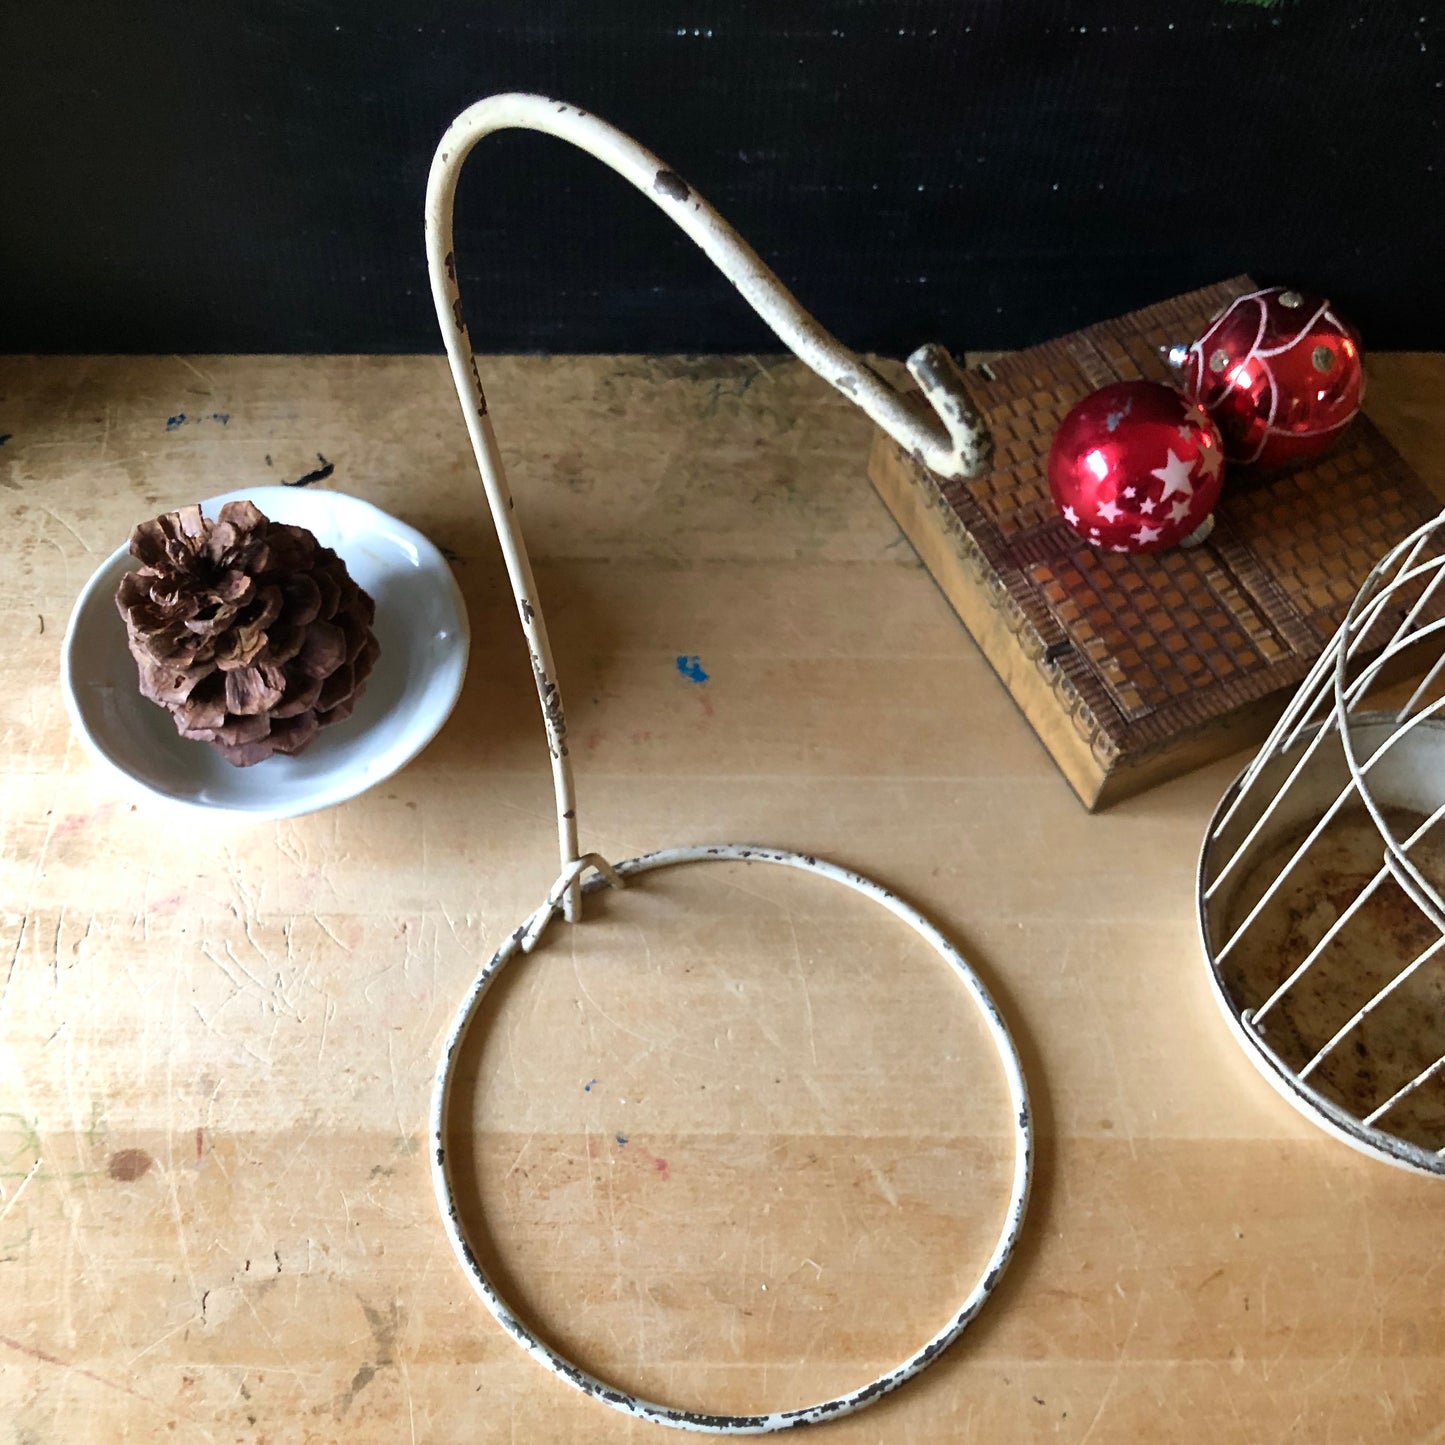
[1281, 374]
[1136, 468]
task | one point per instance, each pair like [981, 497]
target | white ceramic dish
[421, 624]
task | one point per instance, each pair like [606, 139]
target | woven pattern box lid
[1134, 668]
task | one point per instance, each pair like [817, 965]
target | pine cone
[248, 631]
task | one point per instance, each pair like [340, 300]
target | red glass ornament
[1136, 467]
[1281, 374]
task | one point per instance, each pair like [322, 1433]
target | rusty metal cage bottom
[1323, 869]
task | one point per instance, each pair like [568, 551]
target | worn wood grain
[737, 1141]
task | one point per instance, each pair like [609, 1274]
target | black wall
[247, 175]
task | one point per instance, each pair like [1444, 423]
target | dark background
[247, 175]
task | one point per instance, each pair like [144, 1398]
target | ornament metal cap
[1200, 534]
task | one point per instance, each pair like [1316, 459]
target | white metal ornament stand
[952, 440]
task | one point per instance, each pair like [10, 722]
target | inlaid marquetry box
[1134, 669]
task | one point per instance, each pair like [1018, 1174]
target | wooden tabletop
[738, 1142]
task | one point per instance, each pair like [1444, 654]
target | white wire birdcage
[1321, 875]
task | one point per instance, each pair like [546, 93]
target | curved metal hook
[951, 439]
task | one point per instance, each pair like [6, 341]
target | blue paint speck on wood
[691, 668]
[587, 1087]
[621, 1138]
[172, 422]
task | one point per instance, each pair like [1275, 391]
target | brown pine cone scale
[249, 632]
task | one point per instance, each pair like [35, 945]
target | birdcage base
[1364, 1024]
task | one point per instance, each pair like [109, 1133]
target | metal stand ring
[718, 1424]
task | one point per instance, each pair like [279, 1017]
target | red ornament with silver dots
[1136, 467]
[1280, 373]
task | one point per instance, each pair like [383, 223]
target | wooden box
[1134, 669]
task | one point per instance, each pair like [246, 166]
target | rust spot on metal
[552, 709]
[671, 185]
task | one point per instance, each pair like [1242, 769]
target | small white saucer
[421, 624]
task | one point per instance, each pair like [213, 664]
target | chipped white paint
[953, 442]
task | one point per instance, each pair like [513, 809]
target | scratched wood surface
[737, 1140]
